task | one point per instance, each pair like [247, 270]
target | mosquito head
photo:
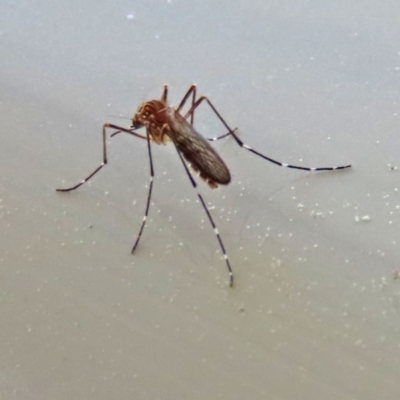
[151, 115]
[143, 116]
[148, 115]
[140, 119]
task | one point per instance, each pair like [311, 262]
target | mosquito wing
[197, 151]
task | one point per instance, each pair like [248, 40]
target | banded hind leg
[245, 146]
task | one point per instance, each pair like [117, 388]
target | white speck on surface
[365, 218]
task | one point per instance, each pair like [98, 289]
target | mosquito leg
[192, 90]
[105, 126]
[194, 184]
[221, 137]
[192, 121]
[193, 102]
[165, 94]
[245, 146]
[130, 131]
[146, 213]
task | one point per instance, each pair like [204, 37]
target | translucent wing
[197, 151]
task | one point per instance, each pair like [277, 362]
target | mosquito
[164, 124]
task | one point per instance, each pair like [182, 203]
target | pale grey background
[315, 313]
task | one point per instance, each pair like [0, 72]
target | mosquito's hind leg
[165, 94]
[105, 126]
[192, 91]
[245, 146]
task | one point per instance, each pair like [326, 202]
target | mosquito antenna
[119, 116]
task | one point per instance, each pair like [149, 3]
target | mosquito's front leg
[105, 126]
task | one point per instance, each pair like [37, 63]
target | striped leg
[146, 213]
[220, 137]
[245, 146]
[193, 182]
[130, 131]
[105, 126]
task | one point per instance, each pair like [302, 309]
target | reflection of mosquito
[164, 124]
